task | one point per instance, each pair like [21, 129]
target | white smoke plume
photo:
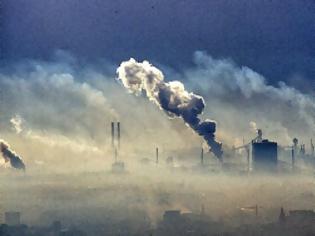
[171, 97]
[50, 139]
[253, 126]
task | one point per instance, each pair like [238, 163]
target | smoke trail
[169, 96]
[239, 93]
[9, 155]
[17, 122]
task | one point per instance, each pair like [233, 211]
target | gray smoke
[9, 155]
[238, 93]
[170, 96]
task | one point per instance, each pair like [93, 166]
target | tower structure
[157, 155]
[118, 166]
[282, 215]
[201, 157]
[115, 138]
[312, 148]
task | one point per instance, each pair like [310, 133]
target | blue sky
[274, 38]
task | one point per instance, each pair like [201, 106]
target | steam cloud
[238, 93]
[9, 155]
[16, 122]
[171, 97]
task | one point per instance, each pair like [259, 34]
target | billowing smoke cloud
[10, 156]
[171, 97]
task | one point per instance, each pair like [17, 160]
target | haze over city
[157, 117]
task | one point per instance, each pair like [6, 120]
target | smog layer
[90, 198]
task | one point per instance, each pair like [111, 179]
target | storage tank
[265, 155]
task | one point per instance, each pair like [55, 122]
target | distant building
[265, 155]
[176, 223]
[172, 215]
[282, 216]
[12, 218]
[301, 216]
[56, 227]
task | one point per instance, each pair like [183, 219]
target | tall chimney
[118, 134]
[116, 154]
[248, 158]
[312, 147]
[113, 134]
[201, 156]
[293, 158]
[157, 155]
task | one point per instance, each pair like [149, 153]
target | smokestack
[302, 150]
[293, 158]
[113, 134]
[116, 154]
[248, 159]
[259, 136]
[118, 134]
[157, 155]
[201, 156]
[312, 147]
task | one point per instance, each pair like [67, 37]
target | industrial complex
[258, 155]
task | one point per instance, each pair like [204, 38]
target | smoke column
[9, 155]
[171, 97]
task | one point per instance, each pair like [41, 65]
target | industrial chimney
[118, 134]
[201, 157]
[113, 134]
[259, 136]
[312, 148]
[117, 166]
[292, 158]
[248, 158]
[157, 155]
[116, 154]
[115, 140]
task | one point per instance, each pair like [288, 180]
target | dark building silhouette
[171, 215]
[191, 224]
[265, 155]
[301, 217]
[282, 216]
[56, 227]
[12, 218]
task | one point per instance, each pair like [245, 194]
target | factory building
[265, 155]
